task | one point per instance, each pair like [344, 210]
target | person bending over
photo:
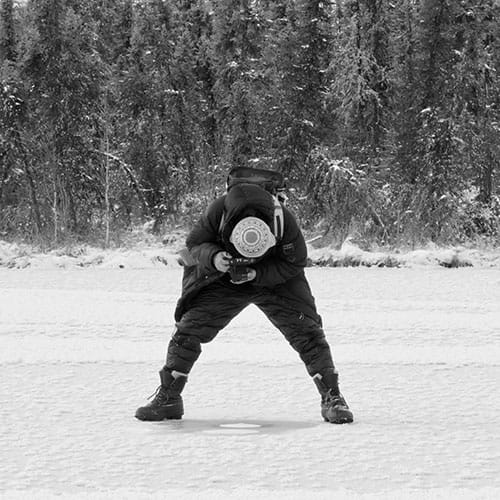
[239, 256]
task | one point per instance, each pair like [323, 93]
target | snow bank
[139, 257]
[147, 256]
[350, 255]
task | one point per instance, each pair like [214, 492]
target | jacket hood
[246, 200]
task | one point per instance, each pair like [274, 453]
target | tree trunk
[54, 209]
[34, 199]
[106, 173]
[35, 206]
[7, 43]
[486, 178]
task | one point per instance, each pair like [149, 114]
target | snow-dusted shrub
[345, 196]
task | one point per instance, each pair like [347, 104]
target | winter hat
[248, 215]
[252, 237]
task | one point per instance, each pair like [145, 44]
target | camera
[238, 268]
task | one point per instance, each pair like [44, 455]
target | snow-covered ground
[418, 349]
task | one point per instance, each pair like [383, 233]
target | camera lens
[251, 237]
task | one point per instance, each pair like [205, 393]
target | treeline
[383, 115]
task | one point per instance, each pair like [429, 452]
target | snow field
[418, 351]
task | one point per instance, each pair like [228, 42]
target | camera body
[238, 267]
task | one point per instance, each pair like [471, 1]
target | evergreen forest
[383, 115]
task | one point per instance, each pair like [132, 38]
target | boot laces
[160, 395]
[334, 399]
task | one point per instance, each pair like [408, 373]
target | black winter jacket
[282, 264]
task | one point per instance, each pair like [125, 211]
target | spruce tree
[62, 73]
[476, 93]
[7, 42]
[194, 73]
[298, 46]
[359, 72]
[234, 47]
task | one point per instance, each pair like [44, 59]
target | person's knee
[306, 336]
[183, 351]
[185, 342]
[188, 345]
[313, 349]
[311, 344]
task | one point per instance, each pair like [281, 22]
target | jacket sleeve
[288, 259]
[202, 240]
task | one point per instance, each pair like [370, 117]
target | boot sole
[159, 418]
[339, 419]
[175, 413]
[345, 420]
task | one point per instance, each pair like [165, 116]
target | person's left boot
[334, 408]
[167, 401]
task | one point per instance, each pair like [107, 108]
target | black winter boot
[334, 408]
[167, 400]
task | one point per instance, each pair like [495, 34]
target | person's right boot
[334, 408]
[167, 400]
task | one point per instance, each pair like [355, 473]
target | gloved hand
[241, 274]
[222, 261]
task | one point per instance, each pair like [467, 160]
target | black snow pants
[218, 303]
